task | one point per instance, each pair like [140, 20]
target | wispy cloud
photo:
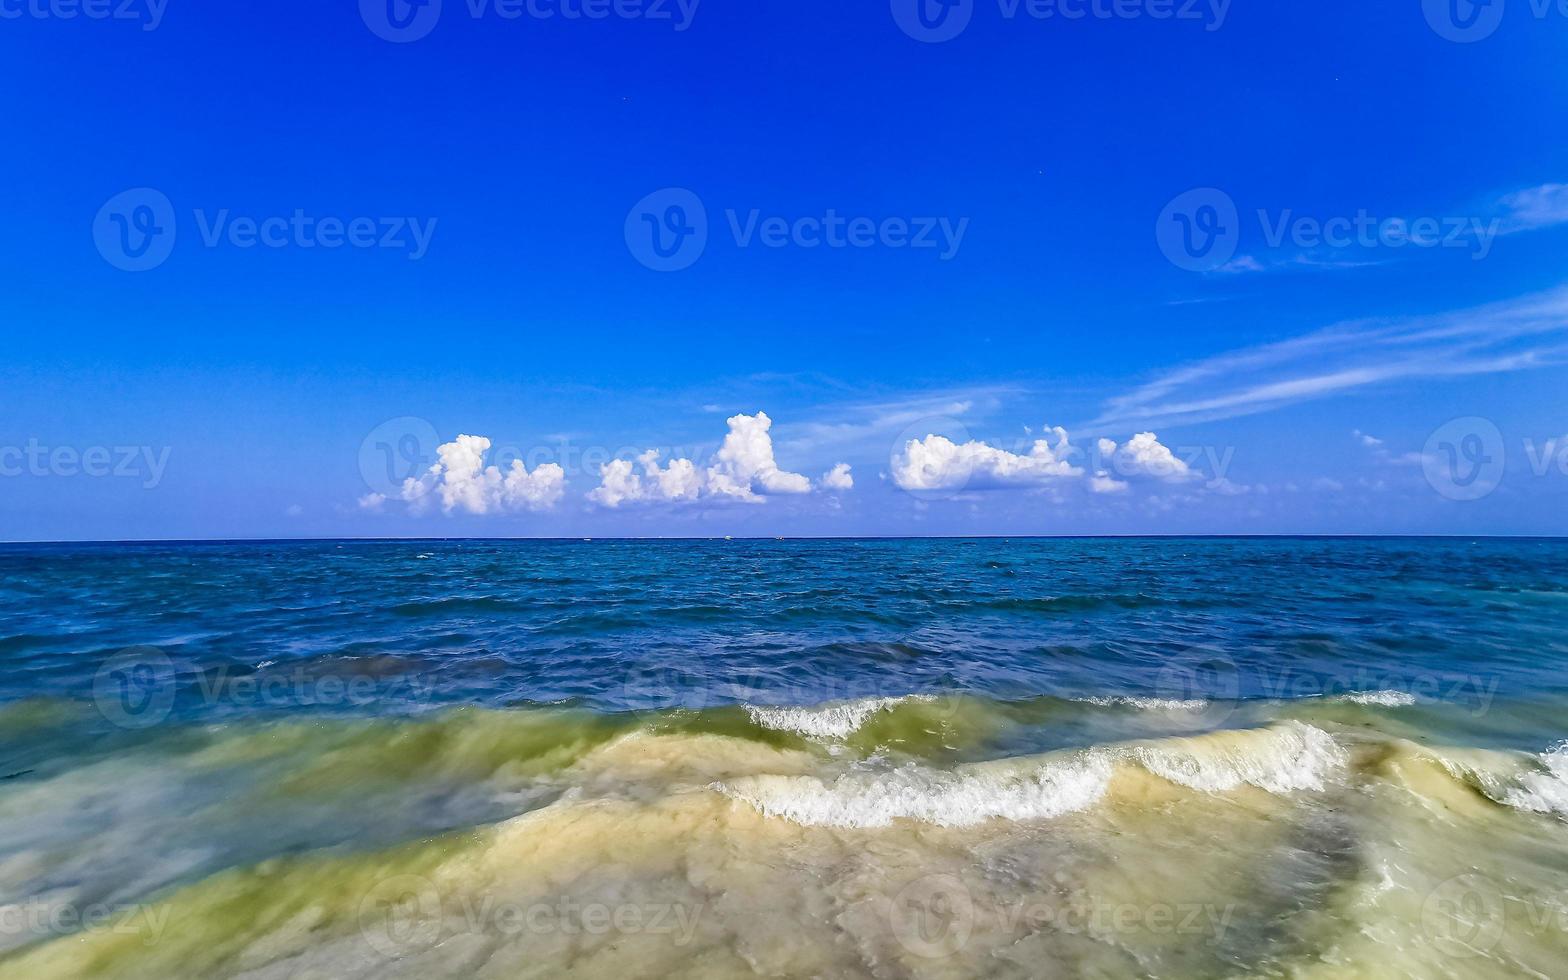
[1243, 264]
[875, 424]
[1524, 333]
[1528, 209]
[1535, 207]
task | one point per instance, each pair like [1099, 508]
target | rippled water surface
[847, 758]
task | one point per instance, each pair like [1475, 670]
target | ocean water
[921, 758]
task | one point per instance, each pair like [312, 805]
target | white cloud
[1371, 442]
[1536, 207]
[1144, 455]
[679, 481]
[1528, 332]
[372, 502]
[838, 478]
[462, 482]
[744, 470]
[746, 467]
[1226, 488]
[1103, 482]
[938, 463]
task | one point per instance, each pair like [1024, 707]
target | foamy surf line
[828, 721]
[1147, 704]
[1381, 699]
[1544, 790]
[1288, 758]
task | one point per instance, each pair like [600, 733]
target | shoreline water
[898, 758]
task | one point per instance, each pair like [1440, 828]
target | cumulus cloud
[1103, 482]
[462, 482]
[838, 478]
[744, 470]
[619, 483]
[372, 502]
[1144, 455]
[938, 463]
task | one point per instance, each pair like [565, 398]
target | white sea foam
[826, 721]
[1288, 758]
[1382, 699]
[1543, 791]
[1285, 759]
[1148, 704]
[947, 799]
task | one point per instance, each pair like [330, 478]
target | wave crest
[1287, 758]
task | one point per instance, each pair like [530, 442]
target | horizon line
[586, 539]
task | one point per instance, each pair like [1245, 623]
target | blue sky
[886, 237]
